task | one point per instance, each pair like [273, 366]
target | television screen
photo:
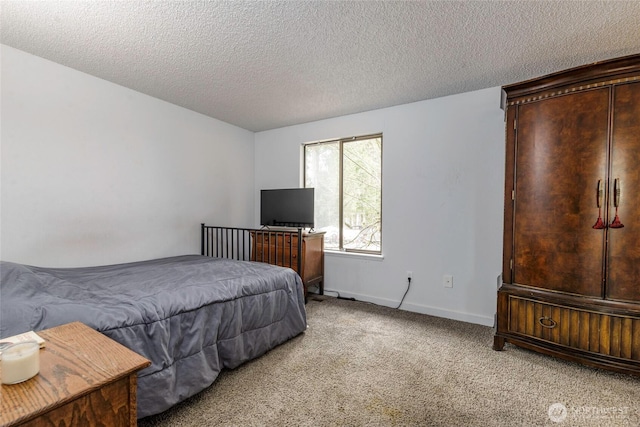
[291, 207]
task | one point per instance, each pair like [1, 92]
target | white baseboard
[419, 308]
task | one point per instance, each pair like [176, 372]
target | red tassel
[599, 225]
[616, 221]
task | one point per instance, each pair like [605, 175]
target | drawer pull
[547, 322]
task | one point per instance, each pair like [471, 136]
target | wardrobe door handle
[616, 223]
[599, 193]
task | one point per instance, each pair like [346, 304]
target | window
[347, 177]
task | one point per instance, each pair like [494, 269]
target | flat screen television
[288, 207]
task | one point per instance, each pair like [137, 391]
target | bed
[190, 315]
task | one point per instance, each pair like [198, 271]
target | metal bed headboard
[271, 246]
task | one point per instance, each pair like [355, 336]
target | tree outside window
[347, 177]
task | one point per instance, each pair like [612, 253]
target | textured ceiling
[266, 64]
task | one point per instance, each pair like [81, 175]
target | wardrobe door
[561, 154]
[623, 268]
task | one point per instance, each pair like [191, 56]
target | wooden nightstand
[85, 379]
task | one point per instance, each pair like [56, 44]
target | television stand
[280, 247]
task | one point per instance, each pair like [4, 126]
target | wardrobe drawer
[595, 332]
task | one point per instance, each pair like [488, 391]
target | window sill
[345, 254]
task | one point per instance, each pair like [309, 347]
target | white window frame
[341, 142]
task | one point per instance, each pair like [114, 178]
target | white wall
[442, 207]
[94, 173]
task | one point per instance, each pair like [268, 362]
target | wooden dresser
[280, 247]
[571, 264]
[85, 379]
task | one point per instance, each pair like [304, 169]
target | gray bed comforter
[191, 316]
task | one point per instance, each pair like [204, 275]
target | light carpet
[360, 364]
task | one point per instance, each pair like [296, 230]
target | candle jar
[20, 362]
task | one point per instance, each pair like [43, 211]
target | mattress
[191, 315]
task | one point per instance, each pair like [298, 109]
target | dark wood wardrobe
[571, 263]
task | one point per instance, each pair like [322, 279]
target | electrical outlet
[447, 280]
[409, 274]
